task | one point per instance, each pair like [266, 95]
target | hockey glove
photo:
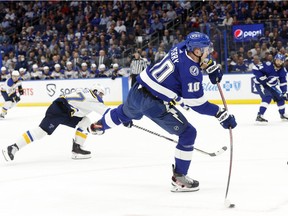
[226, 120]
[16, 99]
[96, 128]
[128, 124]
[21, 91]
[214, 72]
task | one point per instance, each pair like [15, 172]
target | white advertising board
[237, 89]
[43, 92]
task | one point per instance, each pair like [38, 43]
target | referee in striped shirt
[138, 64]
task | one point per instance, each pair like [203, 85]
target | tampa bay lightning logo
[194, 71]
[268, 63]
[253, 86]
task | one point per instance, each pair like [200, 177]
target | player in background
[9, 92]
[83, 71]
[271, 83]
[4, 74]
[57, 73]
[93, 70]
[116, 71]
[70, 72]
[35, 73]
[102, 72]
[176, 78]
[46, 73]
[70, 110]
[25, 75]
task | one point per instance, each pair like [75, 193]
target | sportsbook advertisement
[43, 92]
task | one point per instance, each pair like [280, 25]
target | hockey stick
[227, 202]
[224, 148]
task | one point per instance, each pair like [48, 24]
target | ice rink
[130, 170]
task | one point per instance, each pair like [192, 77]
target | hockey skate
[182, 183]
[10, 152]
[78, 153]
[261, 120]
[2, 116]
[284, 117]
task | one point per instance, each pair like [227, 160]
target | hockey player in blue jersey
[270, 82]
[177, 78]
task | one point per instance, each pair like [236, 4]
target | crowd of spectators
[216, 16]
[46, 34]
[55, 34]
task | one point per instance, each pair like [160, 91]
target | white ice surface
[130, 170]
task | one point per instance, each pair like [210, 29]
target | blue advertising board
[242, 33]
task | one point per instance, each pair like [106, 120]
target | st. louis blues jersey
[10, 86]
[177, 75]
[84, 102]
[267, 74]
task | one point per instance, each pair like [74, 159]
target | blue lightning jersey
[266, 73]
[177, 75]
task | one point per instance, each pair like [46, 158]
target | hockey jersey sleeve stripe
[192, 102]
[110, 121]
[156, 87]
[183, 155]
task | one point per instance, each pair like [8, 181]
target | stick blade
[228, 204]
[223, 149]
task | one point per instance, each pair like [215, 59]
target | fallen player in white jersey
[70, 110]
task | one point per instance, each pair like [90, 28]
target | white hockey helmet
[84, 64]
[102, 67]
[22, 70]
[46, 68]
[3, 69]
[68, 63]
[34, 66]
[57, 66]
[93, 65]
[98, 89]
[115, 65]
[15, 73]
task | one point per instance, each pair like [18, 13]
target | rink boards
[237, 88]
[43, 92]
